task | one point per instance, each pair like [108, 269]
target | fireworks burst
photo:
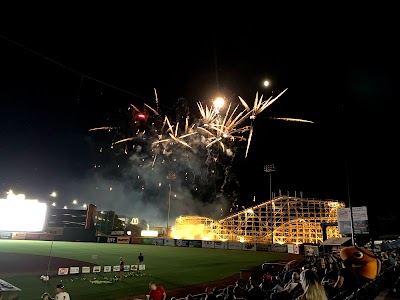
[199, 152]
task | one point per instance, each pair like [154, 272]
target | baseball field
[23, 262]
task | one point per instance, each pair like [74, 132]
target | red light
[141, 116]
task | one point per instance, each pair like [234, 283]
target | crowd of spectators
[312, 278]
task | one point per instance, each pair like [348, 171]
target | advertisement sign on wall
[5, 235]
[169, 242]
[279, 248]
[117, 232]
[127, 268]
[207, 244]
[158, 242]
[147, 241]
[123, 239]
[235, 245]
[85, 270]
[220, 245]
[182, 243]
[112, 239]
[136, 240]
[249, 246]
[263, 247]
[19, 236]
[195, 244]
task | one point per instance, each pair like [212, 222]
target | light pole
[169, 177]
[269, 169]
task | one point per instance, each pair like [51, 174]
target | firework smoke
[198, 152]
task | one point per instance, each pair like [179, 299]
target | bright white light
[266, 83]
[22, 215]
[219, 102]
[84, 205]
[75, 202]
[53, 204]
[149, 233]
[53, 194]
[11, 196]
[65, 207]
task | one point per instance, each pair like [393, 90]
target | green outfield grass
[170, 267]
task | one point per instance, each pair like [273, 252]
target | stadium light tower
[170, 177]
[269, 169]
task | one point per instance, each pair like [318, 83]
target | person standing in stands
[60, 294]
[156, 292]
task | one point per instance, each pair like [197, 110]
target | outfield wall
[194, 244]
[152, 241]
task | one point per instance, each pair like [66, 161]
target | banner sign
[195, 244]
[32, 236]
[360, 220]
[6, 235]
[249, 247]
[112, 239]
[117, 232]
[45, 237]
[127, 268]
[96, 269]
[220, 245]
[116, 268]
[107, 269]
[235, 245]
[134, 267]
[147, 241]
[169, 242]
[85, 270]
[7, 287]
[158, 242]
[263, 247]
[123, 240]
[135, 240]
[19, 236]
[294, 249]
[74, 270]
[55, 230]
[63, 271]
[142, 267]
[207, 244]
[182, 243]
[279, 248]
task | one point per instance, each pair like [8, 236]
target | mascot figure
[365, 263]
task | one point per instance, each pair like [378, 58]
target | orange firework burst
[174, 133]
[103, 128]
[209, 114]
[258, 107]
[292, 120]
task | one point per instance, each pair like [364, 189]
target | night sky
[340, 79]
